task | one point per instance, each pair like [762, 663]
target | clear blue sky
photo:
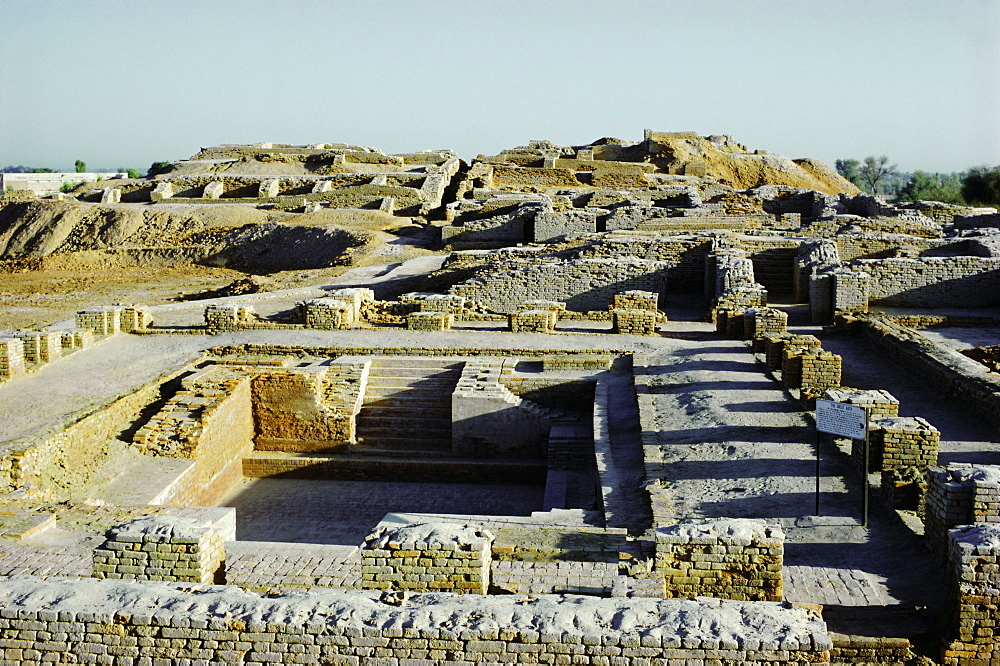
[118, 83]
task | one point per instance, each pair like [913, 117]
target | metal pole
[864, 494]
[818, 437]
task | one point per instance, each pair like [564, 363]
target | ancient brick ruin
[586, 436]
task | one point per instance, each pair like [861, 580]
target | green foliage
[849, 169]
[42, 170]
[158, 168]
[923, 186]
[876, 170]
[982, 186]
[81, 166]
[69, 187]
[132, 173]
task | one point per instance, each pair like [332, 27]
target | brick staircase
[407, 406]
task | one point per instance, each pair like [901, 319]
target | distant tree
[923, 186]
[69, 187]
[982, 186]
[42, 170]
[158, 168]
[876, 170]
[850, 169]
[133, 173]
[81, 166]
[15, 169]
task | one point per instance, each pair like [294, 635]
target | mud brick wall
[813, 256]
[635, 322]
[973, 595]
[684, 255]
[774, 348]
[953, 375]
[135, 317]
[40, 346]
[442, 303]
[960, 494]
[532, 321]
[880, 404]
[899, 442]
[851, 291]
[427, 557]
[576, 363]
[104, 320]
[209, 421]
[635, 300]
[289, 410]
[553, 306]
[583, 284]
[758, 323]
[327, 313]
[906, 488]
[167, 548]
[430, 321]
[818, 370]
[77, 339]
[745, 297]
[933, 281]
[225, 317]
[87, 619]
[11, 358]
[728, 558]
[729, 321]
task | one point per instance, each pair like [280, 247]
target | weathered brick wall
[727, 558]
[532, 321]
[973, 595]
[209, 421]
[427, 557]
[92, 619]
[289, 412]
[11, 358]
[635, 322]
[960, 494]
[584, 284]
[430, 321]
[933, 281]
[166, 548]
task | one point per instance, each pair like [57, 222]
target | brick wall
[92, 619]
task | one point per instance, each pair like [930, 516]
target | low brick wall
[430, 321]
[143, 620]
[899, 442]
[973, 595]
[635, 322]
[427, 557]
[960, 494]
[532, 321]
[727, 558]
[162, 548]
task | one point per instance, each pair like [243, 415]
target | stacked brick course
[103, 320]
[727, 558]
[87, 620]
[430, 321]
[327, 314]
[973, 595]
[40, 346]
[427, 557]
[636, 300]
[879, 403]
[11, 358]
[960, 494]
[77, 339]
[759, 323]
[134, 318]
[901, 441]
[811, 368]
[774, 346]
[635, 322]
[532, 321]
[228, 317]
[162, 548]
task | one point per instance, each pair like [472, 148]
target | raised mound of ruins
[563, 404]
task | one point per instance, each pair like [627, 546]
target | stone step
[415, 443]
[411, 420]
[415, 362]
[412, 382]
[408, 407]
[377, 433]
[403, 393]
[442, 373]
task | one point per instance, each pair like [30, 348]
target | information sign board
[838, 418]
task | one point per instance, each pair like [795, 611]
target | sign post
[843, 420]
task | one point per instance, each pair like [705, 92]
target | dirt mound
[731, 163]
[251, 284]
[269, 248]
